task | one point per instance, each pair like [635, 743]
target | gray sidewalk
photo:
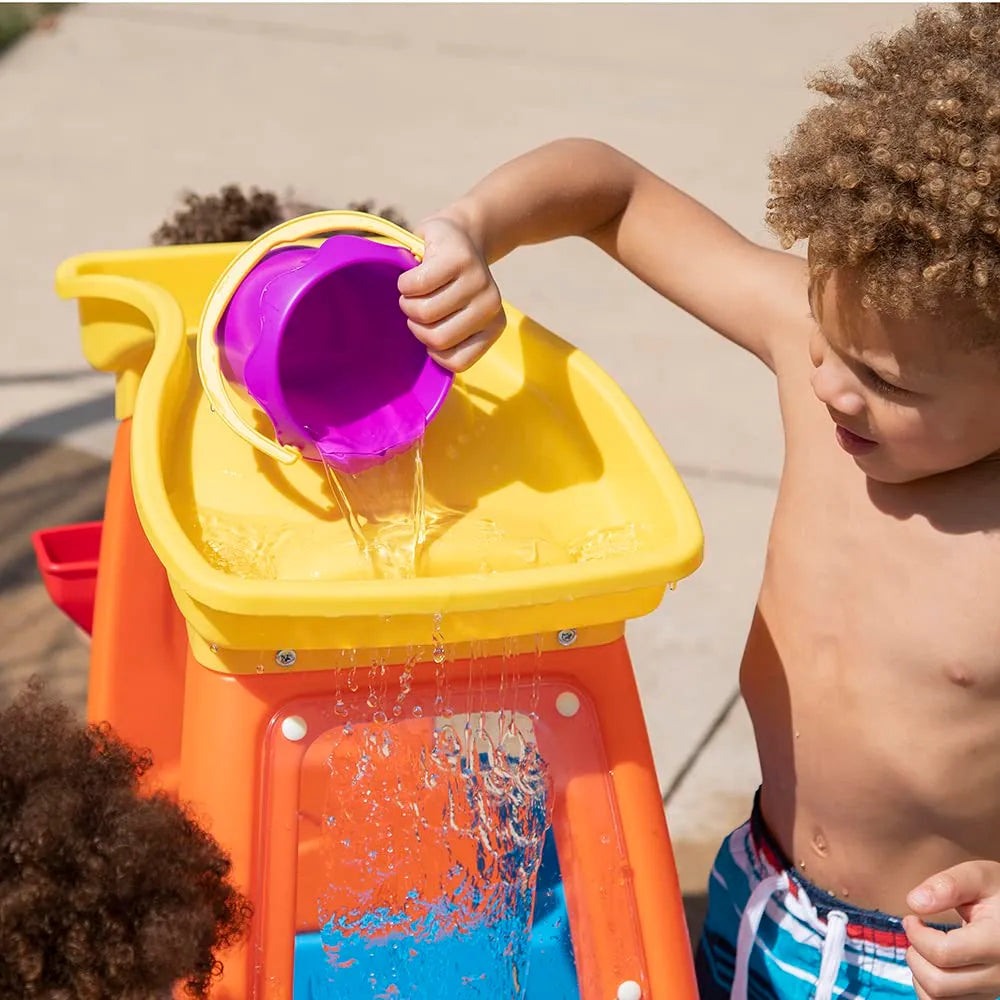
[106, 118]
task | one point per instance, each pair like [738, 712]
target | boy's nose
[836, 389]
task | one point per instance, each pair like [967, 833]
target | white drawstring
[749, 925]
[833, 944]
[833, 954]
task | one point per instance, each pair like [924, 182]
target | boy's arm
[580, 187]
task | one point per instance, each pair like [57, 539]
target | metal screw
[285, 657]
[567, 637]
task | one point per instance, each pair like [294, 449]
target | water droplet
[439, 651]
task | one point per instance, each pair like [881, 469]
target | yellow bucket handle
[207, 350]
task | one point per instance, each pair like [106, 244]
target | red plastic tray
[67, 559]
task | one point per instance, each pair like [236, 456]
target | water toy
[436, 785]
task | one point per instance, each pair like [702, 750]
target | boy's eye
[880, 385]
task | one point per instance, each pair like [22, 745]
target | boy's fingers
[428, 276]
[950, 889]
[973, 981]
[451, 331]
[972, 945]
[441, 304]
[462, 357]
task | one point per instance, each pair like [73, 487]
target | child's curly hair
[234, 217]
[227, 217]
[104, 891]
[899, 172]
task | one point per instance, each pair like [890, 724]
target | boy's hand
[963, 963]
[450, 299]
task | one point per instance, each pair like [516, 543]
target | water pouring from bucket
[315, 336]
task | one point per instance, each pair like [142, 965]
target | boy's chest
[910, 590]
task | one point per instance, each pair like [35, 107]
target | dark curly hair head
[234, 217]
[898, 173]
[105, 892]
[227, 217]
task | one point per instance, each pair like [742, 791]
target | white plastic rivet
[567, 704]
[294, 728]
[629, 990]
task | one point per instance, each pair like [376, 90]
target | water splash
[237, 546]
[447, 910]
[339, 707]
[384, 508]
[377, 687]
[405, 682]
[439, 654]
[605, 543]
[416, 540]
[536, 679]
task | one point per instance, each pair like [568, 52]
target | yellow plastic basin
[567, 514]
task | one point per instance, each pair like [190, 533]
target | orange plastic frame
[228, 720]
[208, 732]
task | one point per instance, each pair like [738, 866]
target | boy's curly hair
[104, 891]
[899, 172]
[231, 216]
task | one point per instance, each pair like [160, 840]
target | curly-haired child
[232, 216]
[870, 866]
[106, 893]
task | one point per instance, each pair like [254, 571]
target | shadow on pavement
[41, 485]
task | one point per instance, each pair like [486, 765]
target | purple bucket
[317, 338]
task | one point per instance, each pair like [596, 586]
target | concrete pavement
[106, 118]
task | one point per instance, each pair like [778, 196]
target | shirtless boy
[872, 669]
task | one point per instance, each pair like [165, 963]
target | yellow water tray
[563, 512]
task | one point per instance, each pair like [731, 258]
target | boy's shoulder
[776, 298]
